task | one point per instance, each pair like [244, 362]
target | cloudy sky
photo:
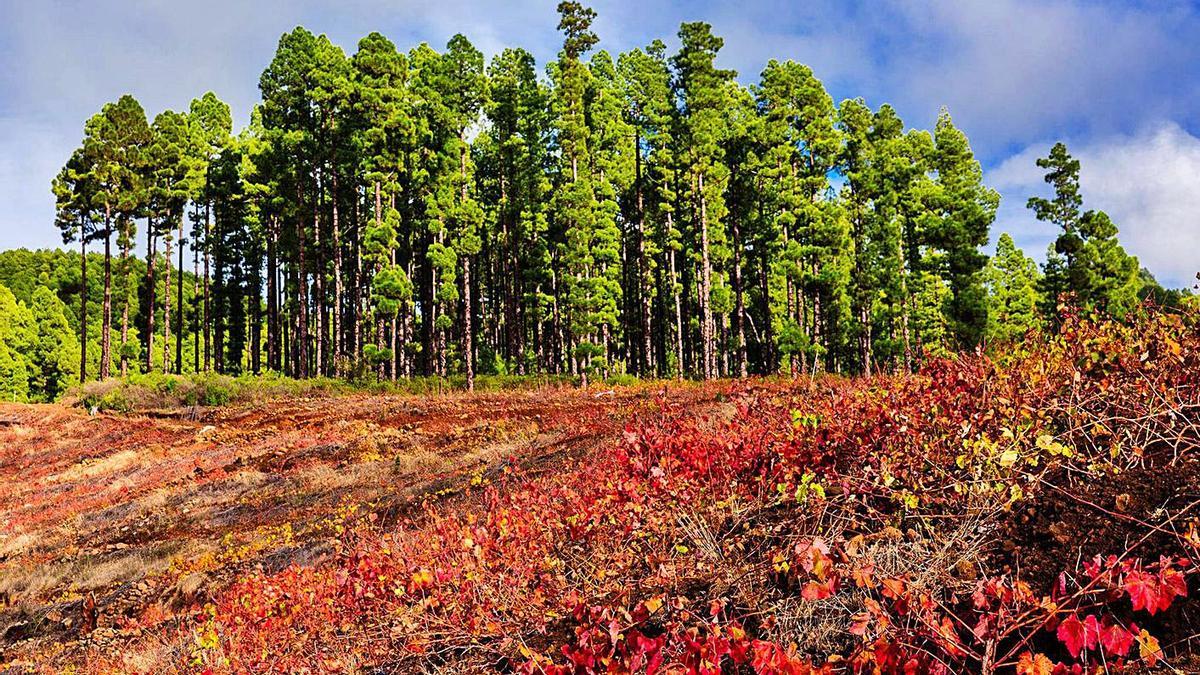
[1118, 82]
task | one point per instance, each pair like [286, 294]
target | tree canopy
[432, 212]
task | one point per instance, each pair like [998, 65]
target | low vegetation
[1031, 516]
[154, 514]
[155, 392]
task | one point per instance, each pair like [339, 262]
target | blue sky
[1119, 82]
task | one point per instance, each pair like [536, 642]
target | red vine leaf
[1071, 633]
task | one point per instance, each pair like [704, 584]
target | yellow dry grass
[95, 467]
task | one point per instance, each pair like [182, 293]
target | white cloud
[1149, 182]
[1011, 68]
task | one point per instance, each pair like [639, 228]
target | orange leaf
[1034, 664]
[1148, 648]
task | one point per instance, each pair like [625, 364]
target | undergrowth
[157, 391]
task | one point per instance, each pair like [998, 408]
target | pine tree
[14, 375]
[114, 142]
[930, 326]
[1012, 281]
[701, 88]
[740, 153]
[465, 92]
[331, 94]
[1114, 282]
[383, 130]
[17, 340]
[907, 220]
[646, 79]
[513, 162]
[211, 116]
[612, 168]
[291, 124]
[431, 259]
[962, 211]
[415, 212]
[574, 201]
[1089, 263]
[74, 188]
[54, 352]
[881, 199]
[233, 253]
[176, 173]
[262, 215]
[802, 148]
[452, 88]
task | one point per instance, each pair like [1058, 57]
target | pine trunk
[273, 338]
[394, 346]
[428, 330]
[905, 308]
[125, 309]
[356, 332]
[771, 364]
[678, 315]
[468, 344]
[643, 264]
[207, 328]
[318, 304]
[83, 293]
[219, 303]
[150, 292]
[380, 367]
[706, 317]
[817, 332]
[166, 356]
[558, 338]
[256, 318]
[339, 339]
[408, 330]
[513, 331]
[179, 305]
[739, 304]
[106, 311]
[301, 305]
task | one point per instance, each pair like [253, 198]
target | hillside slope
[1037, 515]
[150, 515]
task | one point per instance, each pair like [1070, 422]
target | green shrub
[154, 391]
[621, 380]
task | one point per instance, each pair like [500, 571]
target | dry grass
[90, 468]
[166, 653]
[85, 573]
[697, 530]
[21, 583]
[142, 563]
[941, 562]
[14, 544]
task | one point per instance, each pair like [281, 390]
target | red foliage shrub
[834, 526]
